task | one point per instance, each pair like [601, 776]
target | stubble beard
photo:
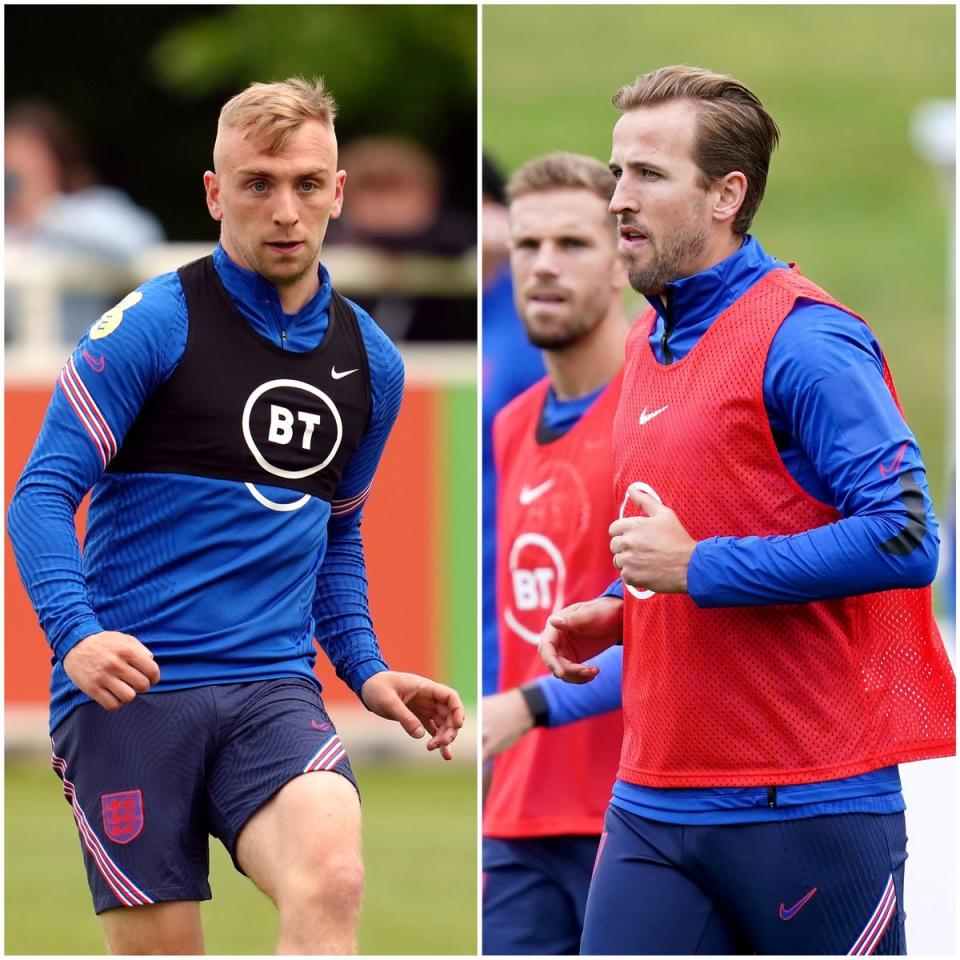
[277, 271]
[570, 333]
[672, 260]
[289, 273]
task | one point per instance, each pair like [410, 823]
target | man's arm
[568, 703]
[550, 702]
[341, 612]
[844, 440]
[343, 627]
[98, 395]
[824, 387]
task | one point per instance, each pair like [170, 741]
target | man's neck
[592, 362]
[724, 247]
[294, 297]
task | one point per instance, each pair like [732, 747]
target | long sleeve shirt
[842, 438]
[220, 588]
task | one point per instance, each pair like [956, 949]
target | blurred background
[109, 124]
[860, 194]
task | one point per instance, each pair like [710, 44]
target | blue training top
[834, 422]
[220, 587]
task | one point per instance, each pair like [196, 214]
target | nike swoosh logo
[319, 726]
[529, 494]
[340, 376]
[647, 417]
[786, 914]
[897, 460]
[96, 365]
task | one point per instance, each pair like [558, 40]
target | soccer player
[775, 545]
[229, 418]
[544, 810]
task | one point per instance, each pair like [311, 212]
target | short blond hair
[274, 111]
[557, 171]
[734, 131]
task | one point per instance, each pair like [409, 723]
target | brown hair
[734, 132]
[276, 110]
[562, 170]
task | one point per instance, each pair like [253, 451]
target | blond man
[229, 418]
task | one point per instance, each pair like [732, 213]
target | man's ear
[730, 191]
[337, 206]
[211, 185]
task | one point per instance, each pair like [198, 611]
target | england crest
[122, 815]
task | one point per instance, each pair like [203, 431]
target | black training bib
[239, 407]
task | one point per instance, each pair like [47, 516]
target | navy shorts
[534, 894]
[821, 885]
[149, 782]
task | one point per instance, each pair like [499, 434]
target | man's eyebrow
[270, 175]
[644, 165]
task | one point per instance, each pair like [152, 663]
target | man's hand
[579, 632]
[651, 552]
[506, 718]
[111, 668]
[418, 705]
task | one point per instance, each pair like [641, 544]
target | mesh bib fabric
[553, 510]
[752, 696]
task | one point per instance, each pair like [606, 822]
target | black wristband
[536, 703]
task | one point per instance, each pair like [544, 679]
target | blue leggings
[821, 885]
[534, 894]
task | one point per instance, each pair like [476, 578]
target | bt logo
[293, 430]
[538, 577]
[533, 588]
[279, 428]
[281, 425]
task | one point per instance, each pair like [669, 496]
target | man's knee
[330, 883]
[170, 928]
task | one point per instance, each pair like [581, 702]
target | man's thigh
[273, 732]
[534, 894]
[820, 885]
[305, 838]
[642, 900]
[134, 780]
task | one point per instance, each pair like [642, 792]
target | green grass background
[848, 197]
[421, 877]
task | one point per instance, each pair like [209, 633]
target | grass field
[419, 847]
[848, 197]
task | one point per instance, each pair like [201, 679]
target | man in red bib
[544, 811]
[775, 543]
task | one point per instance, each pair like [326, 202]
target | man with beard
[544, 810]
[230, 418]
[775, 545]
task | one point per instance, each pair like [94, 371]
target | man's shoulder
[527, 403]
[816, 340]
[382, 353]
[164, 291]
[522, 412]
[810, 323]
[151, 318]
[159, 297]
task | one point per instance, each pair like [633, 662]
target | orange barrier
[399, 530]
